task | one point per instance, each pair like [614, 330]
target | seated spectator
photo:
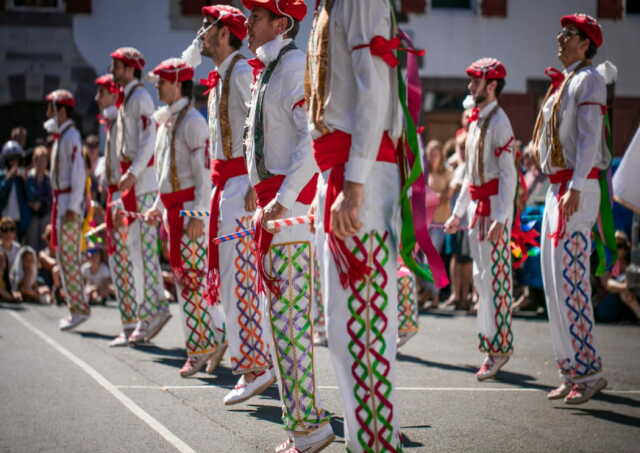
[24, 276]
[98, 287]
[5, 285]
[39, 195]
[8, 243]
[13, 194]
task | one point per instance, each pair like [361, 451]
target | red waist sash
[563, 177]
[266, 191]
[482, 194]
[221, 172]
[173, 203]
[53, 243]
[331, 152]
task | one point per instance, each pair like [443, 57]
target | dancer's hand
[273, 211]
[118, 218]
[153, 216]
[127, 181]
[195, 228]
[312, 213]
[69, 216]
[345, 211]
[569, 203]
[495, 231]
[250, 200]
[452, 225]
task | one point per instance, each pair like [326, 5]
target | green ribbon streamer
[608, 242]
[408, 236]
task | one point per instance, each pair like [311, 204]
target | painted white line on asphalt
[174, 440]
[410, 389]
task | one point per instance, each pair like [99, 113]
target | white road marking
[174, 440]
[410, 389]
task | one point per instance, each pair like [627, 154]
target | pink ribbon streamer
[420, 192]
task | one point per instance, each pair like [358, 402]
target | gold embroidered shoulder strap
[483, 135]
[225, 124]
[173, 175]
[552, 135]
[316, 83]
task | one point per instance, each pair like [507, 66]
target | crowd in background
[29, 272]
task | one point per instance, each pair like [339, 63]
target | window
[35, 5]
[633, 6]
[457, 4]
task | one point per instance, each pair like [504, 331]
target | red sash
[266, 191]
[331, 152]
[128, 197]
[221, 172]
[173, 203]
[53, 243]
[563, 177]
[482, 194]
[111, 246]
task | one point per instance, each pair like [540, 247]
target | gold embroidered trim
[225, 124]
[483, 134]
[175, 182]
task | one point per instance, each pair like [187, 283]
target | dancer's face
[264, 28]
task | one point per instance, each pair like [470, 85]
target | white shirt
[12, 209]
[191, 149]
[68, 170]
[95, 279]
[498, 140]
[138, 137]
[360, 85]
[581, 126]
[287, 142]
[239, 100]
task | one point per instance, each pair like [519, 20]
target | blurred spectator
[13, 193]
[39, 196]
[439, 181]
[24, 276]
[5, 285]
[98, 287]
[19, 134]
[91, 152]
[8, 243]
[461, 265]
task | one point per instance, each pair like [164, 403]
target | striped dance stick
[441, 226]
[232, 236]
[96, 230]
[291, 221]
[138, 215]
[187, 213]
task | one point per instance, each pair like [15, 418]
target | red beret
[487, 68]
[230, 17]
[107, 82]
[294, 8]
[129, 56]
[586, 24]
[174, 70]
[63, 97]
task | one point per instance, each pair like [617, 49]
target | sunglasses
[568, 33]
[8, 230]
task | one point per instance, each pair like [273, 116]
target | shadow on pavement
[610, 416]
[271, 414]
[616, 399]
[11, 306]
[94, 335]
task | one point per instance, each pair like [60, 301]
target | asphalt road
[70, 392]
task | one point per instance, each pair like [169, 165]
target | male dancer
[117, 250]
[569, 142]
[180, 154]
[67, 211]
[355, 123]
[487, 196]
[231, 265]
[281, 168]
[138, 187]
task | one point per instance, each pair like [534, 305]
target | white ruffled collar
[163, 114]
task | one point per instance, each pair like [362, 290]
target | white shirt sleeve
[462, 203]
[303, 165]
[197, 138]
[142, 109]
[78, 179]
[591, 89]
[508, 176]
[362, 20]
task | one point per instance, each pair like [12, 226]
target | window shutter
[494, 8]
[610, 9]
[192, 7]
[414, 6]
[78, 6]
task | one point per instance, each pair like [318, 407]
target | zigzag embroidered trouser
[566, 272]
